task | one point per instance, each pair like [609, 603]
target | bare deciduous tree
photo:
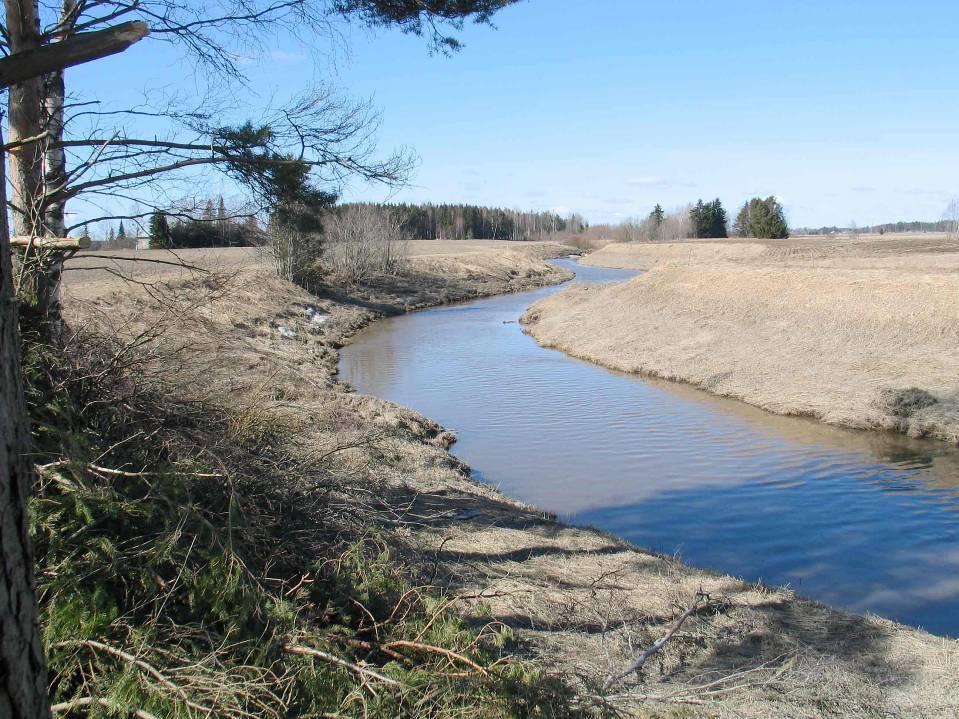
[951, 216]
[361, 242]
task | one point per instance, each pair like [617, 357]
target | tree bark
[55, 178]
[26, 160]
[23, 679]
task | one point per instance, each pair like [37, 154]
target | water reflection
[858, 519]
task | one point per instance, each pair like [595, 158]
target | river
[863, 521]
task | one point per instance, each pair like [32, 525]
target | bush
[362, 241]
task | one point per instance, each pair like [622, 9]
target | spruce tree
[121, 233]
[717, 219]
[763, 219]
[697, 219]
[657, 215]
[159, 231]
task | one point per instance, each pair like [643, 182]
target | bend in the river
[864, 521]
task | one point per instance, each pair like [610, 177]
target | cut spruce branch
[72, 51]
[701, 603]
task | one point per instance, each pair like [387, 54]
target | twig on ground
[701, 602]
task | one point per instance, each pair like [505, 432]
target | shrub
[362, 241]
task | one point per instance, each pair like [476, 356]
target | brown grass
[578, 601]
[829, 329]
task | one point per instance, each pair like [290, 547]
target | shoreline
[577, 600]
[845, 339]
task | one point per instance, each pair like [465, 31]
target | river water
[864, 521]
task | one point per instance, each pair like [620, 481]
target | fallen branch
[658, 645]
[438, 650]
[63, 707]
[122, 473]
[317, 654]
[149, 669]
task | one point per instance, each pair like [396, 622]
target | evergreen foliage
[761, 218]
[708, 219]
[421, 16]
[160, 237]
[657, 215]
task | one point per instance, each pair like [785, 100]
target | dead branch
[449, 654]
[51, 243]
[72, 51]
[64, 707]
[152, 260]
[702, 602]
[362, 671]
[147, 668]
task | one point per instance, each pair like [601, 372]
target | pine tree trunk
[23, 682]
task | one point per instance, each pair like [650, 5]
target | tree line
[758, 217]
[474, 222]
[915, 226]
[215, 226]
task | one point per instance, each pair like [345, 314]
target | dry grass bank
[832, 329]
[578, 603]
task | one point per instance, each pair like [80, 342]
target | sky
[846, 111]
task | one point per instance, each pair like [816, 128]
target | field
[574, 602]
[857, 332]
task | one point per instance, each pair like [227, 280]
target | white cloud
[647, 182]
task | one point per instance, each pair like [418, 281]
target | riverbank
[573, 601]
[863, 334]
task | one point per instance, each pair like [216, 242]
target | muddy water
[859, 520]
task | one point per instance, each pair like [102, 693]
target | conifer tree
[762, 218]
[159, 231]
[708, 219]
[121, 233]
[657, 215]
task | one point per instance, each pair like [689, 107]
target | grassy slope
[574, 600]
[808, 327]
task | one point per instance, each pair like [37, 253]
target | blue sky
[845, 110]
